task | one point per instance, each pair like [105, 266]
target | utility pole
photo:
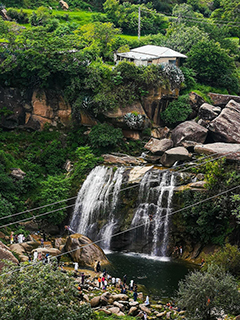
[139, 22]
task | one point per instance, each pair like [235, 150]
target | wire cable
[129, 229]
[123, 189]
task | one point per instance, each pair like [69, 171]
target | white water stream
[97, 205]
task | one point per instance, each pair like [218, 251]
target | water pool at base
[160, 276]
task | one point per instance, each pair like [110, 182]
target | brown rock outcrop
[222, 99]
[190, 132]
[160, 133]
[123, 160]
[173, 155]
[226, 127]
[208, 112]
[132, 134]
[230, 150]
[6, 254]
[84, 251]
[158, 147]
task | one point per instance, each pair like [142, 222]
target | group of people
[17, 238]
[38, 256]
[178, 251]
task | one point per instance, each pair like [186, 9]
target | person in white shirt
[35, 255]
[20, 238]
[75, 266]
[113, 281]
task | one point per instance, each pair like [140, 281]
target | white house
[146, 55]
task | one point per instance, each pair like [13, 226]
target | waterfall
[97, 200]
[96, 213]
[155, 199]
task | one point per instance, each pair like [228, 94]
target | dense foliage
[227, 258]
[206, 295]
[212, 221]
[40, 292]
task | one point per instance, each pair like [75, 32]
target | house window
[172, 62]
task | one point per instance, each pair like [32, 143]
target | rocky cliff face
[31, 111]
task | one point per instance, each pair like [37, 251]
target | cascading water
[96, 213]
[155, 199]
[97, 200]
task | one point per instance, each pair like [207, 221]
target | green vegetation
[40, 292]
[206, 295]
[103, 136]
[212, 221]
[177, 110]
[227, 258]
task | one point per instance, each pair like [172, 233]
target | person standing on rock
[114, 281]
[83, 278]
[125, 279]
[131, 284]
[98, 266]
[99, 282]
[20, 238]
[75, 266]
[135, 295]
[180, 251]
[103, 279]
[35, 256]
[11, 238]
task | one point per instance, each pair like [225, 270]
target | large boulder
[20, 251]
[222, 99]
[122, 160]
[6, 254]
[160, 133]
[195, 101]
[208, 112]
[190, 133]
[173, 155]
[230, 150]
[136, 174]
[84, 251]
[226, 127]
[158, 147]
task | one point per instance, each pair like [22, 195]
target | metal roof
[150, 52]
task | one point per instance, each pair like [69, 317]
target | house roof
[150, 52]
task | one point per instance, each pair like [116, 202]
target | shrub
[177, 110]
[227, 258]
[105, 136]
[134, 120]
[206, 295]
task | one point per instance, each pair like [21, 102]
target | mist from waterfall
[96, 207]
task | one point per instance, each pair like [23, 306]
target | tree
[205, 295]
[40, 292]
[227, 258]
[54, 189]
[182, 38]
[213, 65]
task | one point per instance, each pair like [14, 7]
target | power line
[196, 19]
[123, 189]
[130, 229]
